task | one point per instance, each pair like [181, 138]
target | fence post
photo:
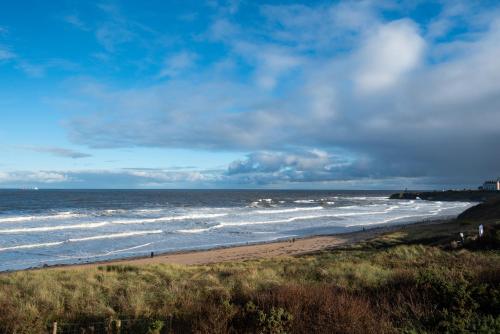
[54, 327]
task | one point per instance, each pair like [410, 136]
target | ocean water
[49, 227]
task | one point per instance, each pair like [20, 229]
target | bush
[324, 308]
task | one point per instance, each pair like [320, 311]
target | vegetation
[490, 210]
[414, 280]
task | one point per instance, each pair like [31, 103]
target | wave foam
[265, 202]
[128, 249]
[96, 237]
[292, 219]
[53, 228]
[104, 223]
[199, 230]
[62, 215]
[289, 210]
[169, 218]
[304, 201]
[116, 235]
[279, 221]
[27, 246]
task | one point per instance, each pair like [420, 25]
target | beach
[65, 227]
[265, 250]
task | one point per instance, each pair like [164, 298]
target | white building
[492, 185]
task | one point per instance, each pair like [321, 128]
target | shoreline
[250, 251]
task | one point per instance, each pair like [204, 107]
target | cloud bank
[317, 93]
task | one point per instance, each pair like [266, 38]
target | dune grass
[393, 283]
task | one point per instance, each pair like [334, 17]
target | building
[492, 185]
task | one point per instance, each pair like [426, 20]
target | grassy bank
[417, 279]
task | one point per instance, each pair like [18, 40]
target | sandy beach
[253, 251]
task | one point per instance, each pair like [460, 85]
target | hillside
[485, 211]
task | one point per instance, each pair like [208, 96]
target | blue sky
[249, 94]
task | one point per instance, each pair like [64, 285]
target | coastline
[170, 245]
[259, 250]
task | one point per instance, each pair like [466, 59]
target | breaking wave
[62, 215]
[289, 210]
[169, 218]
[96, 237]
[54, 228]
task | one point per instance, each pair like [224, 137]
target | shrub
[324, 308]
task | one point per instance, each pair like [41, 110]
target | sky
[249, 94]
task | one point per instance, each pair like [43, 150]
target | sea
[53, 227]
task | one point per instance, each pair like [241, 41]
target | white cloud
[75, 21]
[58, 151]
[159, 176]
[109, 178]
[472, 77]
[222, 29]
[32, 70]
[268, 161]
[272, 64]
[319, 27]
[39, 70]
[6, 53]
[394, 50]
[27, 177]
[110, 35]
[117, 29]
[225, 7]
[177, 64]
[4, 176]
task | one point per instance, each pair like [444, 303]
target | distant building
[492, 185]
